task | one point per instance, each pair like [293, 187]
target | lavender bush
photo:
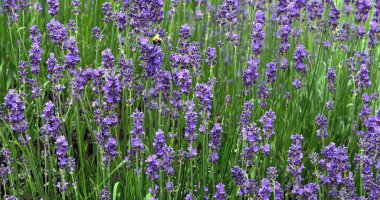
[178, 99]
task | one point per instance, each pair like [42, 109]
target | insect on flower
[156, 40]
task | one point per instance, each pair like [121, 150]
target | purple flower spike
[321, 121]
[331, 78]
[53, 7]
[14, 109]
[107, 59]
[137, 132]
[300, 57]
[215, 142]
[220, 193]
[267, 121]
[110, 150]
[296, 166]
[61, 151]
[251, 74]
[152, 167]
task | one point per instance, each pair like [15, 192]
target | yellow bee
[156, 40]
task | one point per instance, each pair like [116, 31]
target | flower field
[190, 99]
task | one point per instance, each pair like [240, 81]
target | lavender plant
[178, 99]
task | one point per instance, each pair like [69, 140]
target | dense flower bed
[179, 99]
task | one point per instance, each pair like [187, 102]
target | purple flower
[152, 167]
[284, 29]
[227, 100]
[75, 4]
[284, 64]
[55, 71]
[267, 121]
[159, 143]
[272, 173]
[35, 91]
[22, 67]
[315, 10]
[169, 186]
[321, 122]
[374, 31]
[168, 160]
[189, 196]
[271, 72]
[299, 59]
[184, 32]
[183, 80]
[127, 76]
[53, 7]
[57, 32]
[215, 142]
[106, 7]
[61, 151]
[143, 16]
[37, 7]
[151, 57]
[258, 33]
[335, 162]
[262, 93]
[14, 112]
[198, 15]
[62, 186]
[265, 190]
[220, 193]
[365, 163]
[80, 80]
[330, 105]
[334, 16]
[35, 34]
[107, 59]
[238, 175]
[211, 56]
[251, 74]
[310, 191]
[204, 93]
[10, 6]
[297, 83]
[35, 55]
[71, 25]
[72, 57]
[137, 131]
[191, 119]
[109, 150]
[162, 82]
[105, 194]
[10, 197]
[327, 44]
[362, 79]
[246, 114]
[362, 9]
[176, 102]
[331, 78]
[245, 186]
[296, 166]
[112, 89]
[121, 21]
[233, 38]
[252, 137]
[96, 33]
[52, 124]
[228, 12]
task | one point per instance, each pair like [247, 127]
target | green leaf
[148, 196]
[115, 190]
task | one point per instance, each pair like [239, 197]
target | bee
[156, 40]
